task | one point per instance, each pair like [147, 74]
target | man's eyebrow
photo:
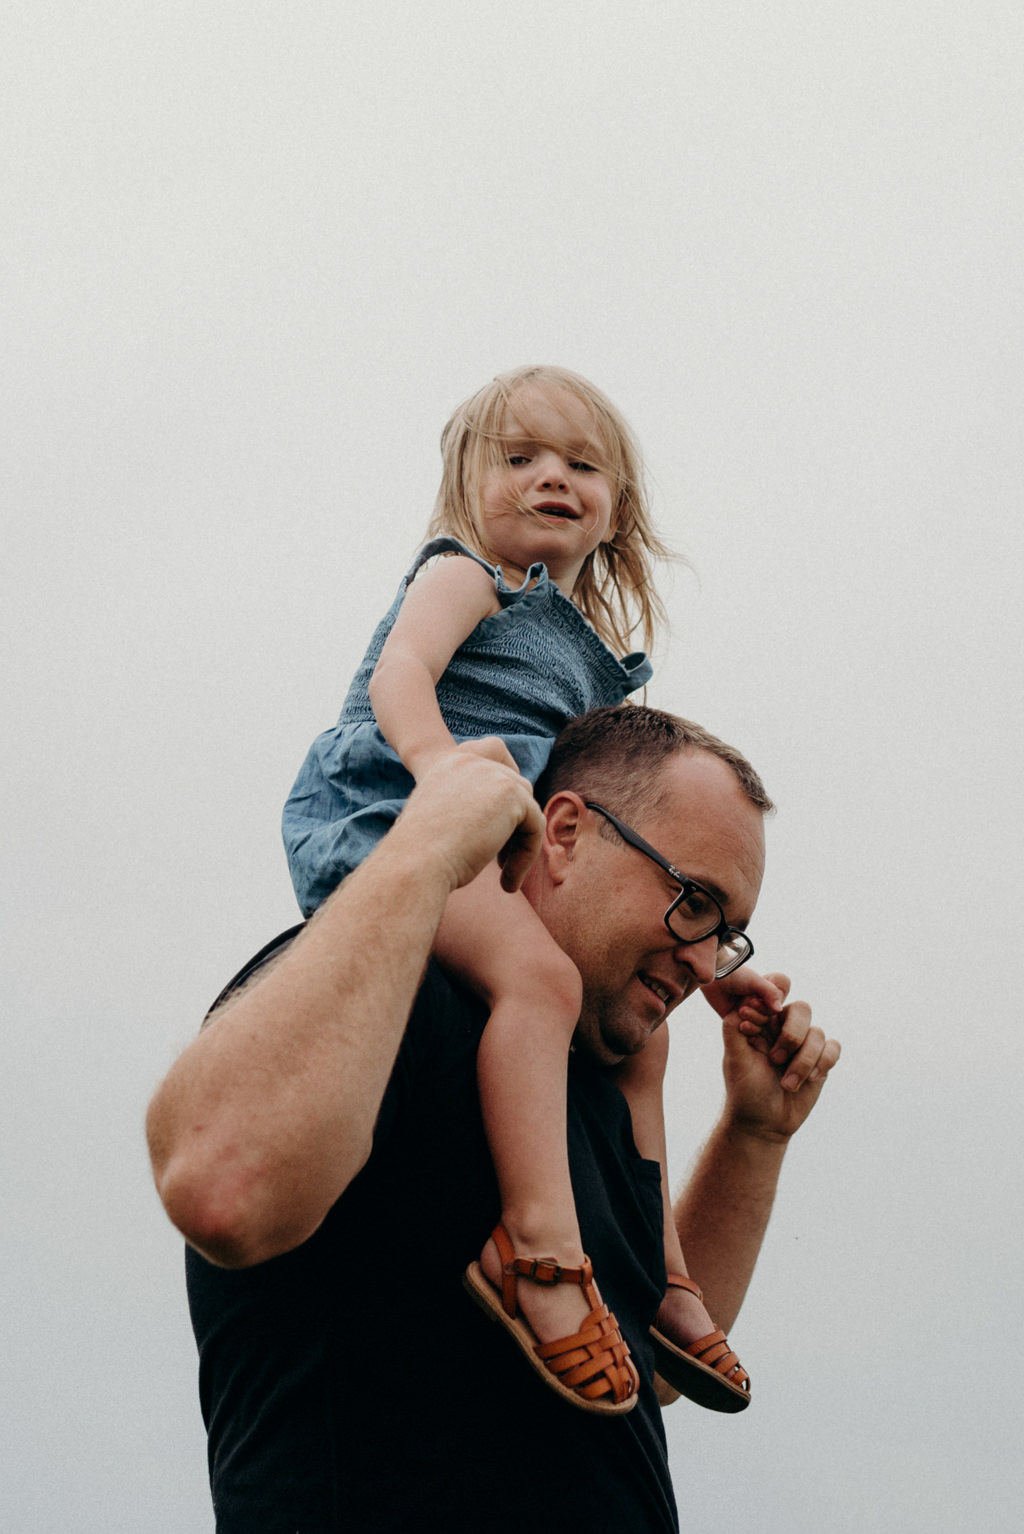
[705, 884]
[713, 889]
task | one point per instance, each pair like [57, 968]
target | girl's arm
[441, 609]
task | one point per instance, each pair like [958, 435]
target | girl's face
[549, 502]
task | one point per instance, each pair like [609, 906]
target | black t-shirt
[352, 1384]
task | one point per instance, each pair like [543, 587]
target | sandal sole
[696, 1381]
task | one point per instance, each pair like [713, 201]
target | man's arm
[268, 1115]
[723, 1213]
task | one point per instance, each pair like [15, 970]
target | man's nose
[701, 959]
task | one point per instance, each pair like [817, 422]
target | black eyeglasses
[694, 914]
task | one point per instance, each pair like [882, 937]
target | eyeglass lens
[695, 917]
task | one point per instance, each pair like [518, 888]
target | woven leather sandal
[701, 1371]
[592, 1369]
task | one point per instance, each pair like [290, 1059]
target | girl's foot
[552, 1311]
[712, 1376]
[588, 1365]
[682, 1317]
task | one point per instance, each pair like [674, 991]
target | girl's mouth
[556, 509]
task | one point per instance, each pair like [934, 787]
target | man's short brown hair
[613, 755]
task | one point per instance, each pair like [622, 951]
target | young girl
[549, 546]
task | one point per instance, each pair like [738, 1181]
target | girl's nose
[551, 470]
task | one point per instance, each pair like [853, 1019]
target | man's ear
[564, 815]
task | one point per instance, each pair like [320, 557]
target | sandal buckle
[543, 1270]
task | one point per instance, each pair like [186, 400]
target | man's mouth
[664, 995]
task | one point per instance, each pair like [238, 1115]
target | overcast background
[254, 254]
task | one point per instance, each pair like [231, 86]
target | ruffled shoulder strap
[536, 575]
[444, 546]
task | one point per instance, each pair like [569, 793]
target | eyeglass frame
[687, 885]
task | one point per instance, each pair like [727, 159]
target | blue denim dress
[523, 673]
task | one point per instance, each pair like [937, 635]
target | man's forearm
[723, 1213]
[268, 1115]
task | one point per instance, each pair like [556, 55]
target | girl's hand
[757, 998]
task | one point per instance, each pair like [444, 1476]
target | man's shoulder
[441, 1036]
[440, 998]
[268, 955]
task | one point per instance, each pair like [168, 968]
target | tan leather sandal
[592, 1369]
[701, 1371]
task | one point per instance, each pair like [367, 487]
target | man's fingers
[797, 1047]
[812, 1061]
[826, 1060]
[491, 747]
[794, 1023]
[522, 847]
[469, 807]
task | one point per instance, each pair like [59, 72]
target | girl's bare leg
[498, 946]
[641, 1077]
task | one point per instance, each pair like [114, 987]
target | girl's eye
[583, 468]
[515, 459]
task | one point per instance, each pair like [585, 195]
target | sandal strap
[541, 1270]
[545, 1270]
[595, 1361]
[715, 1353]
[681, 1281]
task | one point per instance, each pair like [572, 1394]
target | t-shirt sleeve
[267, 955]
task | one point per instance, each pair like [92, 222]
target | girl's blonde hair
[614, 591]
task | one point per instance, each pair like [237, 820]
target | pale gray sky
[254, 254]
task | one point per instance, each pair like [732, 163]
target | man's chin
[620, 1040]
[614, 1036]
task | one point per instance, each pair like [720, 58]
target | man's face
[607, 902]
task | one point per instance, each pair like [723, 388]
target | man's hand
[774, 1069]
[473, 805]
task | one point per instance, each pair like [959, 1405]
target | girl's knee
[547, 983]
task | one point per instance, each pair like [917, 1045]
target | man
[322, 1151]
